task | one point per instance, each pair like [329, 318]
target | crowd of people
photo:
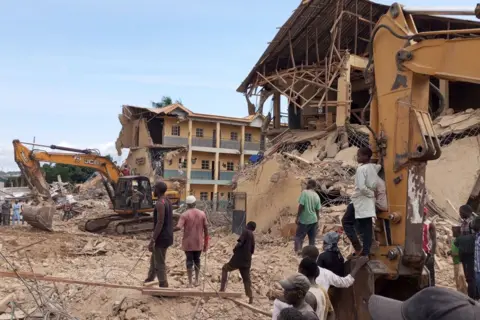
[308, 293]
[11, 214]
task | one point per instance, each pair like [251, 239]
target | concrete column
[344, 96]
[276, 110]
[216, 175]
[189, 156]
[446, 93]
[242, 148]
[218, 135]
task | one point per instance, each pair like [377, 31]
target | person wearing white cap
[195, 237]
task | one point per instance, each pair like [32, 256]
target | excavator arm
[401, 62]
[29, 163]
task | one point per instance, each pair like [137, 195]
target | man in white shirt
[368, 197]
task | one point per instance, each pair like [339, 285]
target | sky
[67, 67]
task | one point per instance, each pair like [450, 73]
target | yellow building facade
[204, 151]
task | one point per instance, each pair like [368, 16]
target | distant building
[202, 151]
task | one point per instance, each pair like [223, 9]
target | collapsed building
[198, 153]
[317, 62]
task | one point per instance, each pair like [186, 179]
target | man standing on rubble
[307, 217]
[6, 212]
[162, 237]
[195, 237]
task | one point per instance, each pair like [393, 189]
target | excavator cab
[124, 190]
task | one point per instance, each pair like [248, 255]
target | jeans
[5, 219]
[16, 217]
[469, 271]
[365, 227]
[193, 259]
[302, 231]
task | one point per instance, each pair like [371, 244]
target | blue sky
[66, 67]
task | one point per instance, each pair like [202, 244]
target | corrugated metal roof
[315, 18]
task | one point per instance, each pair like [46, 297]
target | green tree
[165, 101]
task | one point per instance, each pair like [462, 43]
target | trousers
[468, 262]
[430, 264]
[365, 228]
[5, 219]
[302, 231]
[193, 259]
[158, 267]
[244, 272]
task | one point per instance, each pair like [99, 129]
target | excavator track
[117, 224]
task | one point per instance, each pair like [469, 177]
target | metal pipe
[444, 11]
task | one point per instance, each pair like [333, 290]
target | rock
[133, 314]
[332, 150]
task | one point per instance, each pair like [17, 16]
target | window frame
[207, 166]
[232, 165]
[202, 194]
[201, 131]
[234, 136]
[176, 128]
[248, 134]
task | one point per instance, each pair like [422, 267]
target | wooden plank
[250, 307]
[38, 277]
[189, 293]
[27, 246]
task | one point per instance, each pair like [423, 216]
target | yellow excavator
[401, 62]
[119, 189]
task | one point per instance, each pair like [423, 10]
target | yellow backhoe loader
[119, 189]
[401, 62]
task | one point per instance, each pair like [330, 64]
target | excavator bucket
[352, 303]
[40, 217]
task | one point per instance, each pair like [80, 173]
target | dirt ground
[70, 253]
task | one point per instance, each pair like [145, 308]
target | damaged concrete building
[317, 61]
[200, 151]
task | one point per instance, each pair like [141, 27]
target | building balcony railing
[252, 145]
[201, 175]
[210, 142]
[230, 144]
[175, 141]
[226, 175]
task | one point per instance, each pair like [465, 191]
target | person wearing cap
[242, 260]
[432, 303]
[295, 289]
[195, 237]
[429, 237]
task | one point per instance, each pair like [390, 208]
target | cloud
[7, 162]
[176, 80]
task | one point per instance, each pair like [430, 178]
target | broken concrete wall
[453, 176]
[140, 162]
[134, 133]
[270, 190]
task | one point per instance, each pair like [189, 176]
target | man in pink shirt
[195, 237]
